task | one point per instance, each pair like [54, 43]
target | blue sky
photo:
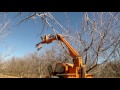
[22, 39]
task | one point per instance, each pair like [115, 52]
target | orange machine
[66, 70]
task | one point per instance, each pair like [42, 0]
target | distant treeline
[35, 66]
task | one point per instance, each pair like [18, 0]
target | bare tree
[4, 31]
[4, 25]
[103, 35]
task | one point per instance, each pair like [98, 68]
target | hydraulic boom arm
[49, 39]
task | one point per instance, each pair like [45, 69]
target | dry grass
[6, 76]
